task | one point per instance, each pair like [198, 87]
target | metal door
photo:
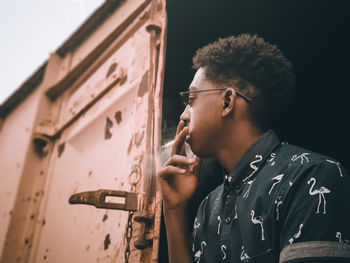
[106, 132]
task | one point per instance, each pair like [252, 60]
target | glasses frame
[186, 102]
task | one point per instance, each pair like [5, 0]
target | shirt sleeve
[315, 221]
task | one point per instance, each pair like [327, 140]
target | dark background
[312, 34]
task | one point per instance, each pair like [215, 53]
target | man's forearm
[179, 245]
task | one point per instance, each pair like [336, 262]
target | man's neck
[237, 142]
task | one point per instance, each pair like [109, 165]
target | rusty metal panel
[97, 127]
[91, 154]
[15, 134]
[124, 10]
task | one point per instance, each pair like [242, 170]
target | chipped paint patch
[108, 126]
[60, 149]
[143, 87]
[118, 117]
[107, 242]
[111, 69]
[105, 217]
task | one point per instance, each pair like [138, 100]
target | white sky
[30, 30]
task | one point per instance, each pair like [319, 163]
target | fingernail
[183, 171]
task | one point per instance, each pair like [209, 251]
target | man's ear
[229, 98]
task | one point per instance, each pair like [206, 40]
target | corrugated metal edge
[23, 91]
[88, 26]
[72, 42]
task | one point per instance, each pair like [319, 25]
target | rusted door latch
[98, 199]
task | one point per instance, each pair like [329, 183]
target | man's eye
[190, 101]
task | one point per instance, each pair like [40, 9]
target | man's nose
[185, 116]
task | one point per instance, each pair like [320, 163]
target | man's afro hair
[256, 68]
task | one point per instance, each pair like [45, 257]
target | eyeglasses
[185, 95]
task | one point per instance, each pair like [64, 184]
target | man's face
[203, 116]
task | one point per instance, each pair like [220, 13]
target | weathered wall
[15, 139]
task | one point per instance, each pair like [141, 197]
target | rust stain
[108, 126]
[61, 149]
[107, 242]
[139, 137]
[143, 87]
[111, 69]
[118, 117]
[105, 217]
[130, 144]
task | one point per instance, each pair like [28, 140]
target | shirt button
[228, 220]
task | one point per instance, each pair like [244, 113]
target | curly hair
[256, 68]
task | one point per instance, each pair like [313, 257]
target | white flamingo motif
[320, 191]
[302, 157]
[338, 165]
[197, 256]
[278, 203]
[219, 218]
[338, 235]
[248, 190]
[243, 254]
[236, 214]
[278, 179]
[196, 225]
[271, 160]
[297, 235]
[223, 249]
[253, 166]
[258, 220]
[228, 178]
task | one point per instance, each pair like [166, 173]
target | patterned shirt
[280, 203]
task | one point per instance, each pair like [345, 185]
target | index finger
[179, 141]
[180, 126]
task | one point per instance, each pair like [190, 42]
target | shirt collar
[250, 162]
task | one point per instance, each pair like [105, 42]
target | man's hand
[178, 183]
[179, 175]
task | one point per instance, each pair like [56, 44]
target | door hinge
[98, 199]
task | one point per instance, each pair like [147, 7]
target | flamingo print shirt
[281, 203]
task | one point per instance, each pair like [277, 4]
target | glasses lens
[184, 97]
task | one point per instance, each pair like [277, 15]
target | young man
[278, 202]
